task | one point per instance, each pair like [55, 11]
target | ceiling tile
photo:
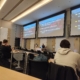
[49, 9]
[7, 7]
[20, 8]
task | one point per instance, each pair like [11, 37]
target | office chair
[37, 69]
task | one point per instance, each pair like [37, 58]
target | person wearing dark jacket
[6, 49]
[0, 45]
[0, 50]
[43, 46]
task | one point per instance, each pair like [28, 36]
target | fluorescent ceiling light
[2, 2]
[30, 10]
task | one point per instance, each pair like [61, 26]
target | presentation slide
[52, 27]
[75, 22]
[29, 31]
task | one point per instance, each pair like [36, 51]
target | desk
[14, 52]
[7, 74]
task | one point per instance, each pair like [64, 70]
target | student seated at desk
[43, 47]
[6, 50]
[37, 48]
[65, 57]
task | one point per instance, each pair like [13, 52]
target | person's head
[5, 41]
[0, 43]
[36, 45]
[65, 44]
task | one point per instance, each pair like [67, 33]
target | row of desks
[26, 57]
[7, 74]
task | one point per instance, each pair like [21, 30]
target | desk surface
[7, 74]
[17, 51]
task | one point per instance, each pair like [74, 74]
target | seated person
[0, 44]
[65, 57]
[6, 49]
[37, 48]
[43, 47]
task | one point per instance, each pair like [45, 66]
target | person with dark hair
[65, 57]
[37, 47]
[43, 46]
[65, 44]
[6, 49]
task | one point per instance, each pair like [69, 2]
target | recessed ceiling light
[75, 26]
[2, 2]
[76, 21]
[1, 27]
[33, 8]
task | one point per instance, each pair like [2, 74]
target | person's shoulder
[76, 54]
[8, 46]
[2, 45]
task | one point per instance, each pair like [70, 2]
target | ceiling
[13, 8]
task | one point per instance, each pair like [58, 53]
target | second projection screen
[52, 27]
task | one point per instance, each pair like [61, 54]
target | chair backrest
[39, 52]
[32, 50]
[38, 68]
[30, 56]
[58, 72]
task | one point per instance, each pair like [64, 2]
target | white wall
[22, 43]
[18, 31]
[32, 44]
[3, 33]
[13, 32]
[43, 41]
[57, 43]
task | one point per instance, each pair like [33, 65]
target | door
[17, 42]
